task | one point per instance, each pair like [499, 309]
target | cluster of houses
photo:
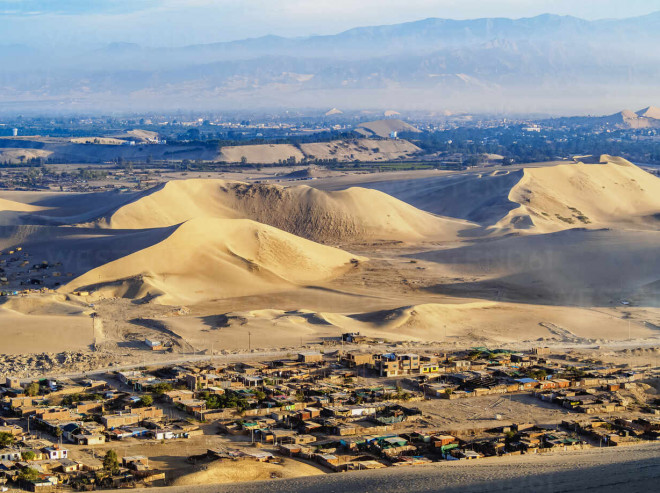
[19, 275]
[349, 410]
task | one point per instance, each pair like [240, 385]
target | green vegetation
[6, 439]
[537, 374]
[28, 455]
[229, 399]
[161, 388]
[28, 474]
[145, 401]
[110, 462]
[67, 400]
[568, 220]
[32, 389]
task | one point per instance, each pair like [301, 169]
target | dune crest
[611, 193]
[216, 258]
[353, 214]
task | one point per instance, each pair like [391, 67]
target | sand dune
[471, 321]
[383, 128]
[360, 150]
[609, 193]
[51, 304]
[13, 206]
[260, 154]
[592, 195]
[353, 214]
[216, 258]
[223, 472]
[481, 320]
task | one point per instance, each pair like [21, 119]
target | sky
[65, 23]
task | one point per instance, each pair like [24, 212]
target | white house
[56, 452]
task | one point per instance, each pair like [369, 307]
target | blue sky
[183, 22]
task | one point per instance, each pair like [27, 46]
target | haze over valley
[489, 65]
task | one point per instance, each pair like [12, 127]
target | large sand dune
[353, 214]
[610, 193]
[594, 195]
[216, 258]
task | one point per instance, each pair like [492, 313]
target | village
[338, 410]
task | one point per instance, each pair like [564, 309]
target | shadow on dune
[573, 267]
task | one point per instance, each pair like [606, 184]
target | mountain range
[549, 63]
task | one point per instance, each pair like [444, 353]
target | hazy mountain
[546, 63]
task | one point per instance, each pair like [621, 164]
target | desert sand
[263, 153]
[360, 150]
[216, 258]
[231, 472]
[604, 470]
[349, 215]
[555, 254]
[383, 128]
[15, 156]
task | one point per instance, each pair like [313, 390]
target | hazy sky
[182, 22]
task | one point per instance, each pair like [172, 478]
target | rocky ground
[30, 365]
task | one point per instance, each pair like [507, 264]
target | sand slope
[383, 128]
[592, 195]
[360, 150]
[16, 156]
[13, 206]
[482, 320]
[216, 258]
[353, 214]
[573, 267]
[611, 192]
[222, 472]
[260, 154]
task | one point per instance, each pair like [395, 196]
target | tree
[161, 388]
[243, 160]
[146, 401]
[29, 474]
[110, 462]
[32, 389]
[6, 439]
[28, 455]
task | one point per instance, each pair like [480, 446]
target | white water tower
[14, 132]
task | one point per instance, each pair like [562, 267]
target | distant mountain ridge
[545, 63]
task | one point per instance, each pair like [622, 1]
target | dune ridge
[7, 205]
[352, 214]
[210, 258]
[611, 193]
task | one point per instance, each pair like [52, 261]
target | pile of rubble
[27, 365]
